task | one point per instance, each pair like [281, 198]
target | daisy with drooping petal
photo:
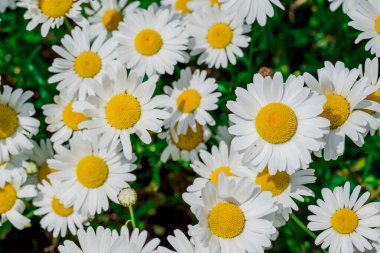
[124, 106]
[346, 4]
[252, 10]
[62, 120]
[16, 123]
[217, 37]
[4, 4]
[277, 124]
[11, 206]
[347, 223]
[182, 244]
[56, 217]
[51, 13]
[89, 176]
[191, 99]
[232, 217]
[82, 62]
[345, 98]
[220, 159]
[105, 17]
[152, 41]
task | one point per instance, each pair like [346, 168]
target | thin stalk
[68, 25]
[132, 217]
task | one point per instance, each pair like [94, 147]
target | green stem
[132, 217]
[68, 25]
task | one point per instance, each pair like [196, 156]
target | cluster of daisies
[106, 74]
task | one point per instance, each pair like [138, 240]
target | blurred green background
[297, 40]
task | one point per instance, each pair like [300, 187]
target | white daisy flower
[52, 13]
[232, 217]
[16, 124]
[89, 176]
[366, 18]
[56, 217]
[4, 4]
[217, 37]
[62, 120]
[124, 106]
[252, 10]
[194, 5]
[184, 146]
[346, 222]
[345, 97]
[11, 205]
[210, 165]
[182, 244]
[12, 169]
[82, 62]
[152, 41]
[105, 17]
[346, 4]
[276, 124]
[191, 99]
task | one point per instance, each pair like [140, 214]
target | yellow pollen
[60, 209]
[336, 110]
[226, 220]
[55, 8]
[190, 140]
[188, 101]
[275, 184]
[123, 111]
[213, 2]
[181, 6]
[111, 19]
[92, 172]
[8, 197]
[8, 121]
[220, 35]
[215, 174]
[44, 171]
[276, 123]
[375, 97]
[88, 64]
[72, 119]
[148, 42]
[344, 221]
[377, 24]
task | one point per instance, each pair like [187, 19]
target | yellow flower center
[190, 140]
[220, 35]
[44, 171]
[276, 123]
[276, 184]
[60, 209]
[213, 2]
[148, 42]
[111, 19]
[226, 220]
[377, 24]
[344, 221]
[88, 64]
[123, 111]
[336, 110]
[375, 97]
[188, 101]
[55, 8]
[181, 6]
[8, 121]
[72, 119]
[215, 174]
[8, 197]
[92, 172]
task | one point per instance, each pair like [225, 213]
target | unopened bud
[127, 197]
[264, 71]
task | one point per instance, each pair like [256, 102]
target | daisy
[345, 97]
[252, 10]
[346, 222]
[51, 13]
[347, 4]
[4, 4]
[232, 216]
[16, 123]
[366, 18]
[105, 17]
[220, 159]
[62, 120]
[191, 98]
[11, 206]
[56, 217]
[184, 146]
[152, 41]
[217, 37]
[276, 124]
[124, 106]
[89, 175]
[82, 62]
[200, 4]
[182, 244]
